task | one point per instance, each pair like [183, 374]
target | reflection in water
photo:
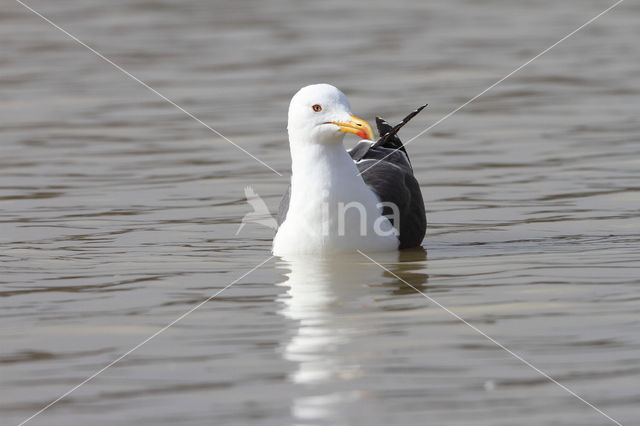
[330, 298]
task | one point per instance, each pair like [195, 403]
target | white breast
[331, 208]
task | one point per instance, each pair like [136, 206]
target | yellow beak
[357, 126]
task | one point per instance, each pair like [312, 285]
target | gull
[343, 201]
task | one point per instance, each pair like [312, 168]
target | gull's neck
[325, 179]
[322, 166]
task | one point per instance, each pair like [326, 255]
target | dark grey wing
[386, 169]
[284, 206]
[397, 185]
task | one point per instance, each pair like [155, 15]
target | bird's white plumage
[331, 209]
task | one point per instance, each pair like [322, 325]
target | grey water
[119, 213]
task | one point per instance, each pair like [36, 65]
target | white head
[321, 114]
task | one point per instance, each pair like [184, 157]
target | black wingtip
[392, 131]
[383, 127]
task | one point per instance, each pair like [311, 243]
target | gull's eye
[316, 108]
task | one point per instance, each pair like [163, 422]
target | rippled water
[118, 213]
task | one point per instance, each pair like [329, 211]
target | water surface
[118, 213]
